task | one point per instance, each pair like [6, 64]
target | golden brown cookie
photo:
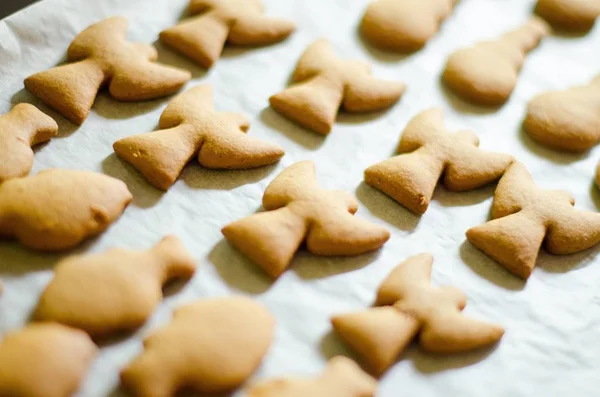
[20, 129]
[577, 15]
[297, 211]
[566, 120]
[210, 346]
[487, 73]
[100, 56]
[216, 22]
[57, 209]
[525, 216]
[413, 309]
[341, 378]
[191, 127]
[323, 83]
[404, 25]
[428, 153]
[44, 360]
[114, 291]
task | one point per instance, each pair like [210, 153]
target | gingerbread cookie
[114, 291]
[57, 209]
[577, 15]
[20, 129]
[341, 378]
[298, 210]
[487, 73]
[525, 216]
[404, 25]
[44, 360]
[237, 22]
[429, 152]
[190, 127]
[100, 56]
[566, 120]
[323, 83]
[210, 346]
[408, 307]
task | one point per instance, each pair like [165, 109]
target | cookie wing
[269, 238]
[405, 179]
[189, 105]
[228, 147]
[259, 30]
[451, 332]
[572, 231]
[365, 93]
[471, 168]
[69, 89]
[341, 233]
[313, 103]
[514, 241]
[201, 39]
[378, 335]
[413, 271]
[512, 187]
[143, 80]
[106, 33]
[159, 156]
[297, 181]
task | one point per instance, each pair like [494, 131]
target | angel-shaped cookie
[487, 73]
[216, 22]
[57, 209]
[44, 360]
[20, 129]
[404, 25]
[566, 120]
[298, 210]
[575, 15]
[114, 291]
[323, 83]
[428, 152]
[408, 307]
[524, 217]
[100, 56]
[190, 127]
[342, 378]
[210, 346]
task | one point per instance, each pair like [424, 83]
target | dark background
[8, 7]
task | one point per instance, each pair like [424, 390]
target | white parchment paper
[553, 321]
